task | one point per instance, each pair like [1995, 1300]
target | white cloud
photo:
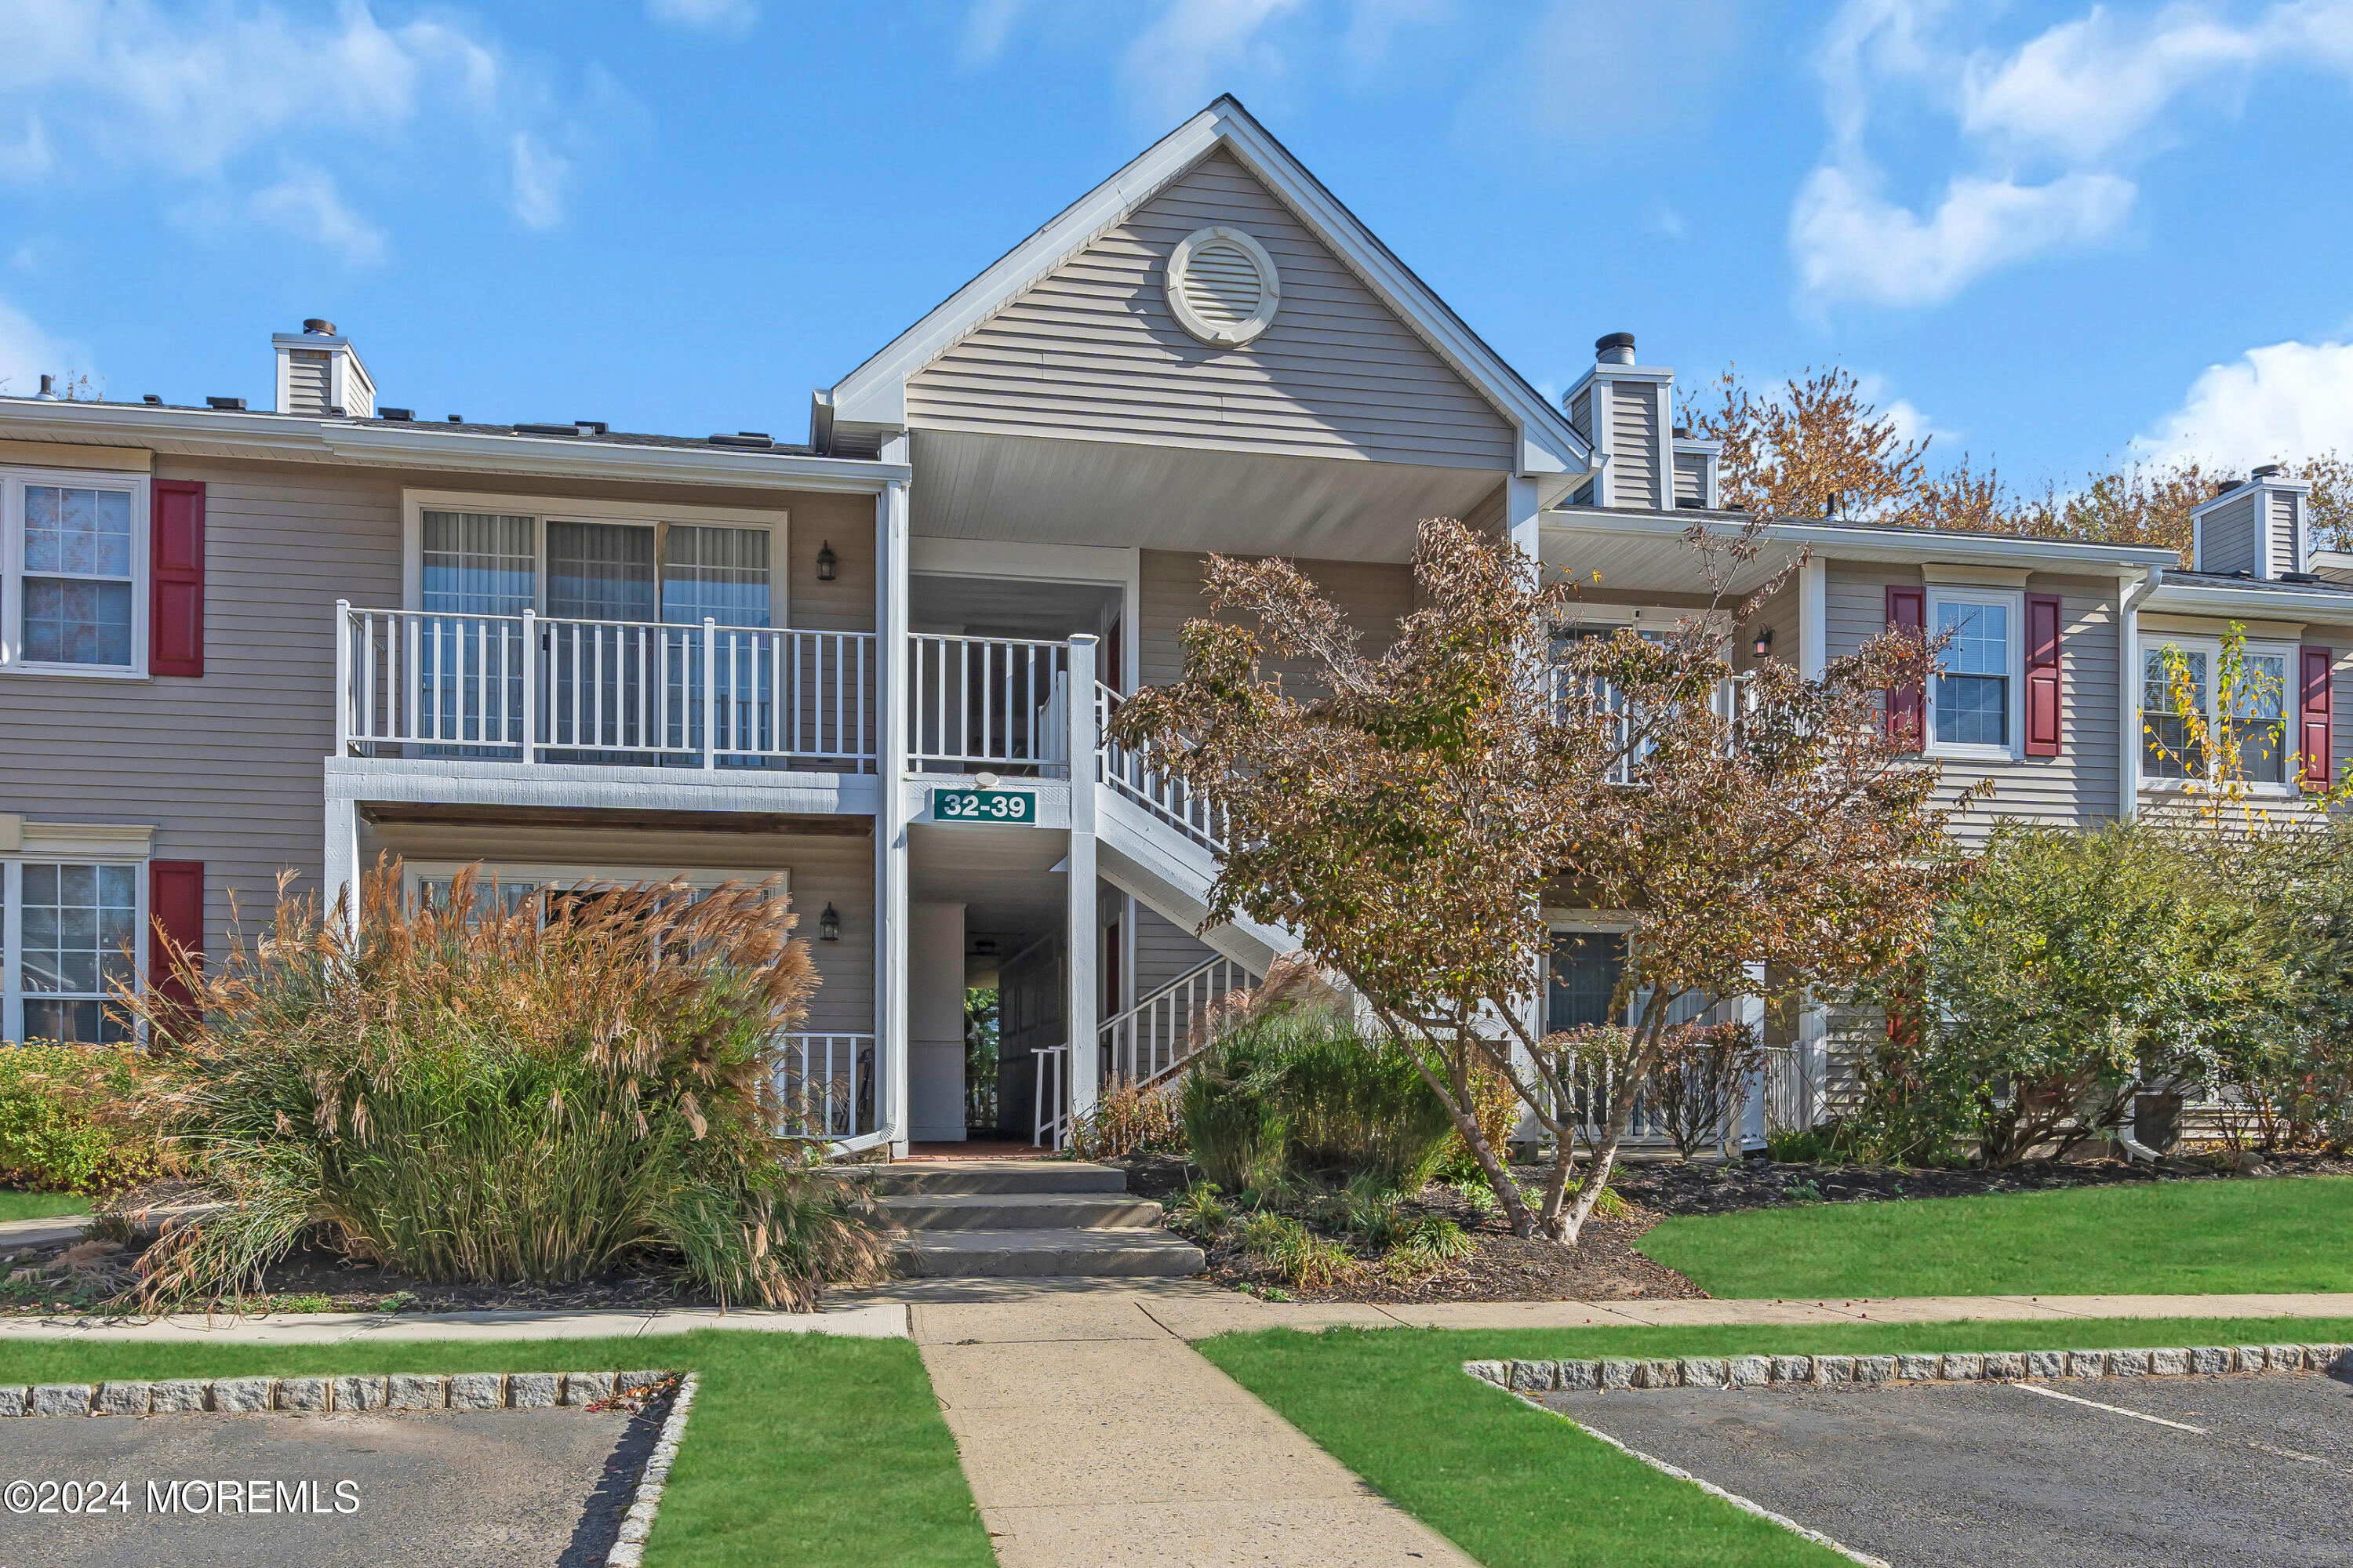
[1182, 61]
[195, 95]
[2045, 133]
[732, 17]
[1851, 243]
[1601, 70]
[307, 205]
[539, 175]
[986, 28]
[25, 352]
[2286, 402]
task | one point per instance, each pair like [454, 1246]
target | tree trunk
[1465, 1109]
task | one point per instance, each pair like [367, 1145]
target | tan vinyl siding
[2230, 538]
[1778, 613]
[1092, 351]
[1163, 951]
[1635, 444]
[2078, 787]
[1375, 596]
[228, 768]
[1690, 478]
[2283, 532]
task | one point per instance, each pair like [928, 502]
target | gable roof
[875, 393]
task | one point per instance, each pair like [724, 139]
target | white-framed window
[1974, 697]
[2256, 700]
[70, 929]
[73, 573]
[586, 560]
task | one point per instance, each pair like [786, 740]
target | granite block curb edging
[637, 1524]
[1614, 1372]
[321, 1396]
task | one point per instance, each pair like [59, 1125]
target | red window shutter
[2314, 729]
[176, 569]
[1908, 611]
[175, 909]
[2042, 738]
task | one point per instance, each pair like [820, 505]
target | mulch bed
[1606, 1265]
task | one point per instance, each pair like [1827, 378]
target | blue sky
[2050, 234]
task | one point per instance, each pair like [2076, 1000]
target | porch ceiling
[1646, 551]
[1005, 878]
[1028, 490]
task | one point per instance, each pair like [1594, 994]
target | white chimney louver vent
[319, 374]
[1222, 286]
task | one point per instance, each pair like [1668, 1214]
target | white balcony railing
[1163, 1030]
[1130, 771]
[825, 1085]
[987, 704]
[536, 689]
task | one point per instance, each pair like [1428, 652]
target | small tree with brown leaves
[1407, 817]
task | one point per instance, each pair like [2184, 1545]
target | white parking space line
[1862, 1559]
[2111, 1409]
[2177, 1426]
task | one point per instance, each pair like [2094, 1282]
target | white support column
[1523, 522]
[1814, 1052]
[1085, 932]
[341, 862]
[1813, 617]
[2129, 592]
[1752, 1014]
[890, 812]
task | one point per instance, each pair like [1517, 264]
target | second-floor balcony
[531, 689]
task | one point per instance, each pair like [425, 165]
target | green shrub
[470, 1092]
[64, 1120]
[1303, 1093]
[1306, 1260]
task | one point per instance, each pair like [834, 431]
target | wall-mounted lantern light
[829, 925]
[1765, 642]
[826, 562]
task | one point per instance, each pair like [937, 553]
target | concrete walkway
[1177, 1308]
[1091, 1434]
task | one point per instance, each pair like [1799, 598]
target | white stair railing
[1050, 1094]
[1160, 1032]
[532, 688]
[1130, 771]
[824, 1084]
[991, 704]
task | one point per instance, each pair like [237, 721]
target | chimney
[1626, 411]
[2255, 526]
[319, 374]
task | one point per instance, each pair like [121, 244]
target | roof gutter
[2286, 604]
[289, 439]
[1847, 541]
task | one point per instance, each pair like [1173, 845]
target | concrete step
[1021, 1210]
[972, 1177]
[1037, 1254]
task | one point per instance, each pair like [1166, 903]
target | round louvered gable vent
[1222, 286]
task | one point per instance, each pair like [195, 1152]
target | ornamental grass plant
[481, 1088]
[1300, 1092]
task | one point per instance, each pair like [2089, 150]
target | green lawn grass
[1516, 1488]
[2164, 1238]
[40, 1206]
[801, 1449]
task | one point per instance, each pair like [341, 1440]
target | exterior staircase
[1025, 1219]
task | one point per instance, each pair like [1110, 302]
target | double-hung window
[73, 933]
[2192, 697]
[1973, 698]
[73, 559]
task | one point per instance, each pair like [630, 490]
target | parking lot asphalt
[544, 1487]
[2231, 1472]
